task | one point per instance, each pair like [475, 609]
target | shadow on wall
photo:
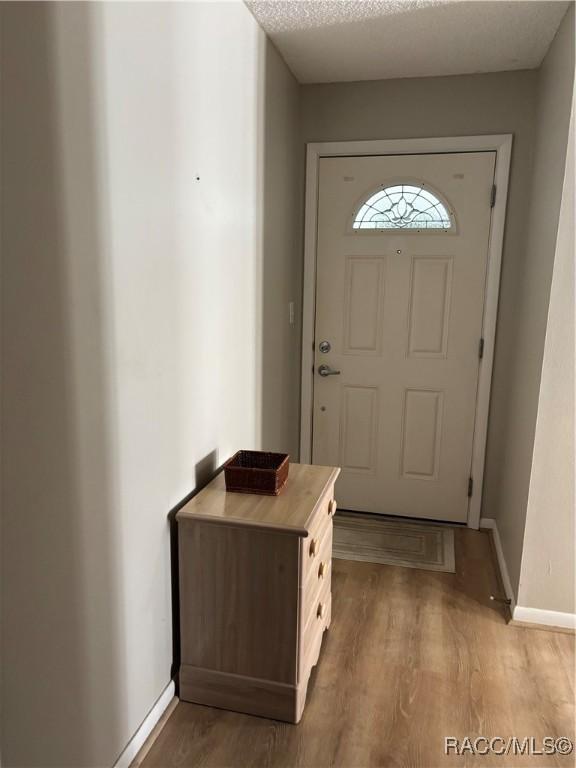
[282, 258]
[204, 471]
[57, 490]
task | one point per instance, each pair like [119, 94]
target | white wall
[548, 567]
[512, 426]
[132, 336]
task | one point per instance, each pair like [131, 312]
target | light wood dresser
[255, 598]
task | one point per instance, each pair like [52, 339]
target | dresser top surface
[292, 511]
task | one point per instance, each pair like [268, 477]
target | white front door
[401, 272]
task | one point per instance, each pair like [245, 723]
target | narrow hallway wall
[513, 415]
[133, 250]
[547, 573]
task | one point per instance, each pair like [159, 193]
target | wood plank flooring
[411, 657]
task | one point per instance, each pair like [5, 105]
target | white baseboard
[547, 618]
[490, 523]
[136, 742]
[521, 613]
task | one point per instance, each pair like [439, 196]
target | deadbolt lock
[324, 346]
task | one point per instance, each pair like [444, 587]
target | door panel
[402, 312]
[430, 293]
[364, 283]
[359, 423]
[421, 430]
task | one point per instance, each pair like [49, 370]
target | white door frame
[502, 145]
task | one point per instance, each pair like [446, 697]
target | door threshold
[399, 518]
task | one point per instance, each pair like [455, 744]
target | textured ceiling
[343, 40]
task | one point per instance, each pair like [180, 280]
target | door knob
[325, 370]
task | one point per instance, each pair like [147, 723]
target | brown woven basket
[257, 472]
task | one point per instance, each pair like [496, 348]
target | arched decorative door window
[403, 206]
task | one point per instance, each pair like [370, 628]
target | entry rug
[375, 539]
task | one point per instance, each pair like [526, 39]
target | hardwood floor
[411, 657]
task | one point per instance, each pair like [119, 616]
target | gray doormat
[375, 539]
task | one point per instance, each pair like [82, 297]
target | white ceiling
[339, 40]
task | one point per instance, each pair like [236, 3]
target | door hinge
[493, 196]
[481, 349]
[470, 486]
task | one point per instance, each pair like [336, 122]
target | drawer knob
[332, 508]
[313, 547]
[321, 570]
[321, 611]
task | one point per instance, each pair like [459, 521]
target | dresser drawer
[318, 528]
[318, 576]
[311, 639]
